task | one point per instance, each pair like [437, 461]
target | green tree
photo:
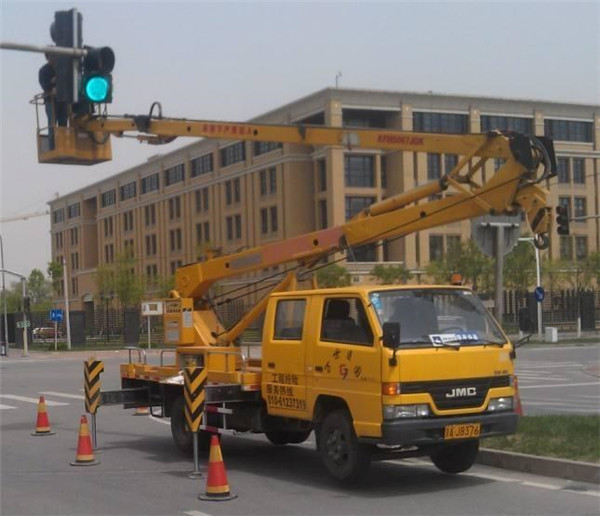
[519, 267]
[55, 271]
[38, 289]
[119, 279]
[333, 275]
[391, 274]
[159, 286]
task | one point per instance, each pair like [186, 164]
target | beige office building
[232, 194]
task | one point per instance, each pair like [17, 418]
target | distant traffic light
[562, 220]
[66, 31]
[96, 82]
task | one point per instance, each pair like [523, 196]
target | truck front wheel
[343, 456]
[456, 458]
[182, 437]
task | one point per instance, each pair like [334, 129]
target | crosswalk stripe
[4, 407]
[548, 386]
[64, 395]
[31, 400]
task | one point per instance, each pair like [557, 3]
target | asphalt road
[559, 379]
[140, 472]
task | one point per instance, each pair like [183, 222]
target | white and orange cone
[85, 452]
[217, 487]
[141, 411]
[42, 426]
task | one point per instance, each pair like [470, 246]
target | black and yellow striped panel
[92, 370]
[193, 390]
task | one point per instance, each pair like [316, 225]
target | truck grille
[454, 394]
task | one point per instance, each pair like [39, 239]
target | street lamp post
[538, 280]
[4, 347]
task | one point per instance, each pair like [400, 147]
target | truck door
[283, 359]
[345, 361]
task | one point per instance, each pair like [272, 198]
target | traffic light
[562, 220]
[66, 31]
[96, 82]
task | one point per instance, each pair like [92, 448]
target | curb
[546, 466]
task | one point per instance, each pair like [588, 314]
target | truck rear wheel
[343, 456]
[281, 437]
[182, 437]
[456, 458]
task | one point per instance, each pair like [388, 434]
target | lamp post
[4, 347]
[538, 282]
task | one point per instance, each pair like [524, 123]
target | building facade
[233, 194]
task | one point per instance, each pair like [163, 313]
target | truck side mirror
[525, 322]
[391, 335]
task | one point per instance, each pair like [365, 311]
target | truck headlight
[498, 404]
[405, 411]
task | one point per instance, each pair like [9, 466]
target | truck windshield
[437, 316]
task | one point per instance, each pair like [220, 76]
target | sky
[233, 61]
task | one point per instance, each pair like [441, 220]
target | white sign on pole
[152, 308]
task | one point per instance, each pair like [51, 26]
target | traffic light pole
[59, 51]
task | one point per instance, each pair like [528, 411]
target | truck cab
[384, 370]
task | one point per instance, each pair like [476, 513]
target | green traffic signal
[97, 88]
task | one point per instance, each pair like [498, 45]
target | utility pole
[66, 289]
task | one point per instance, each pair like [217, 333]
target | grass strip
[564, 437]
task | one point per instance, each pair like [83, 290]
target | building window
[440, 122]
[152, 271]
[151, 245]
[569, 130]
[74, 261]
[562, 166]
[229, 224]
[174, 208]
[238, 226]
[452, 242]
[58, 215]
[436, 247]
[150, 215]
[264, 221]
[202, 233]
[359, 170]
[150, 183]
[202, 165]
[129, 248]
[128, 221]
[74, 210]
[581, 247]
[75, 286]
[263, 183]
[237, 197]
[274, 220]
[201, 200]
[450, 161]
[272, 180]
[566, 248]
[108, 198]
[322, 170]
[355, 205]
[109, 253]
[175, 239]
[174, 175]
[128, 191]
[108, 227]
[434, 166]
[578, 171]
[233, 154]
[175, 264]
[580, 205]
[264, 147]
[506, 123]
[323, 214]
[74, 236]
[565, 202]
[58, 238]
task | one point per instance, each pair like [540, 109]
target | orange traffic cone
[518, 406]
[42, 426]
[217, 488]
[85, 453]
[141, 411]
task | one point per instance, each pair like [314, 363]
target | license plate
[465, 431]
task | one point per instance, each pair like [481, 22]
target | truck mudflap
[418, 432]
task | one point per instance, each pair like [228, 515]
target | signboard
[539, 294]
[23, 324]
[483, 231]
[152, 308]
[56, 315]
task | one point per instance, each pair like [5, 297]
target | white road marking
[64, 395]
[547, 365]
[196, 513]
[488, 476]
[4, 407]
[547, 386]
[564, 403]
[31, 400]
[539, 484]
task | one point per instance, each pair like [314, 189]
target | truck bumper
[417, 432]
